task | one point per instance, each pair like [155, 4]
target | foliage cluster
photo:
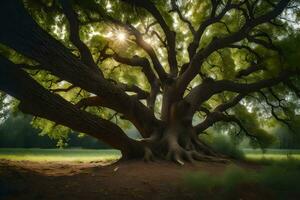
[17, 132]
[224, 144]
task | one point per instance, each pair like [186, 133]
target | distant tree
[84, 141]
[3, 106]
[16, 131]
[287, 138]
[171, 68]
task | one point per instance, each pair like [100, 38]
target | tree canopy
[172, 69]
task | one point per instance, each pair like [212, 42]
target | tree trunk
[179, 142]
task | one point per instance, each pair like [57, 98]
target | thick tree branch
[90, 102]
[225, 106]
[146, 68]
[205, 110]
[220, 43]
[72, 17]
[170, 35]
[144, 45]
[63, 89]
[98, 101]
[176, 9]
[267, 45]
[200, 31]
[141, 94]
[139, 40]
[30, 67]
[231, 86]
[292, 86]
[258, 57]
[215, 117]
[150, 51]
[208, 88]
[249, 70]
[36, 100]
[210, 119]
[218, 113]
[137, 61]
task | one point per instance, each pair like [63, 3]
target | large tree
[171, 69]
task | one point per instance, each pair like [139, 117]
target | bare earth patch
[97, 180]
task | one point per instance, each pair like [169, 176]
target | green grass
[271, 154]
[79, 155]
[87, 155]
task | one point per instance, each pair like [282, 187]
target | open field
[272, 154]
[75, 155]
[87, 155]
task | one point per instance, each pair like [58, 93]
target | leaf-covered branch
[154, 82]
[176, 9]
[170, 35]
[219, 43]
[72, 17]
[36, 100]
[208, 88]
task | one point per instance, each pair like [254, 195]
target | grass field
[86, 155]
[80, 155]
[272, 154]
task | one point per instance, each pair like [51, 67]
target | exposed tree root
[181, 156]
[200, 157]
[173, 151]
[148, 155]
[186, 149]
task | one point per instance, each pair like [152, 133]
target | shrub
[224, 145]
[281, 180]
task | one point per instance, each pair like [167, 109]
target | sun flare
[121, 36]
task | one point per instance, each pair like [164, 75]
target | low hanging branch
[38, 101]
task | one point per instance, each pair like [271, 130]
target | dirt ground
[119, 181]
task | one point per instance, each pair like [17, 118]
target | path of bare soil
[88, 181]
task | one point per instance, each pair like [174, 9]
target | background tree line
[17, 131]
